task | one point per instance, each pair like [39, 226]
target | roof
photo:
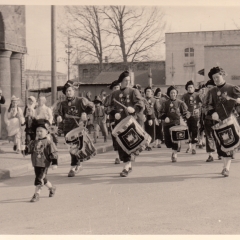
[48, 72]
[141, 77]
[233, 30]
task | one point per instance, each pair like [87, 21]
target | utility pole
[53, 53]
[68, 46]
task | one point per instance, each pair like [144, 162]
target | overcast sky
[179, 19]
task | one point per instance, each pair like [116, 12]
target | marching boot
[72, 171]
[117, 161]
[210, 158]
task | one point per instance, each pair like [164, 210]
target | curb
[19, 170]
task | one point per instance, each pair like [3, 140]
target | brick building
[95, 80]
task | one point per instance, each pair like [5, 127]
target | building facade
[95, 80]
[42, 79]
[12, 50]
[185, 53]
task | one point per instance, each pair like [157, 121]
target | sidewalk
[12, 164]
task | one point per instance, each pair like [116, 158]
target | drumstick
[119, 103]
[71, 116]
[125, 108]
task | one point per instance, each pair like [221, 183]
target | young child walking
[43, 153]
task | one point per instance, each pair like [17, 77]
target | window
[189, 52]
[85, 73]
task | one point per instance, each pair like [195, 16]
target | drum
[227, 133]
[80, 144]
[179, 133]
[130, 136]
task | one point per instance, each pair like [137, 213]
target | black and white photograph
[119, 119]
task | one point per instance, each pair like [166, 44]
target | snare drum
[179, 133]
[80, 144]
[227, 133]
[130, 136]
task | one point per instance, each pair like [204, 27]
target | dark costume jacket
[173, 110]
[43, 152]
[192, 101]
[216, 100]
[75, 108]
[128, 97]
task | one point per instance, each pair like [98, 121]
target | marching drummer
[159, 128]
[220, 105]
[208, 123]
[71, 111]
[150, 109]
[132, 99]
[171, 111]
[111, 117]
[192, 100]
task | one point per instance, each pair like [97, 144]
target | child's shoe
[52, 191]
[71, 173]
[35, 197]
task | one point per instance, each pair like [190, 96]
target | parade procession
[138, 122]
[110, 123]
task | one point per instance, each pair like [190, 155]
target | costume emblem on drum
[80, 144]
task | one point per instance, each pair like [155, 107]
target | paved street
[158, 197]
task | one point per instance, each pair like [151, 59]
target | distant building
[95, 80]
[189, 52]
[42, 79]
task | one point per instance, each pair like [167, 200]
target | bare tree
[85, 24]
[138, 30]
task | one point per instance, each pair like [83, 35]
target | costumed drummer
[111, 117]
[192, 100]
[150, 109]
[159, 128]
[220, 105]
[70, 112]
[208, 123]
[132, 99]
[171, 111]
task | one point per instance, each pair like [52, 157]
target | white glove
[54, 167]
[144, 118]
[167, 120]
[188, 115]
[238, 100]
[130, 109]
[150, 122]
[107, 116]
[59, 119]
[117, 116]
[84, 116]
[215, 116]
